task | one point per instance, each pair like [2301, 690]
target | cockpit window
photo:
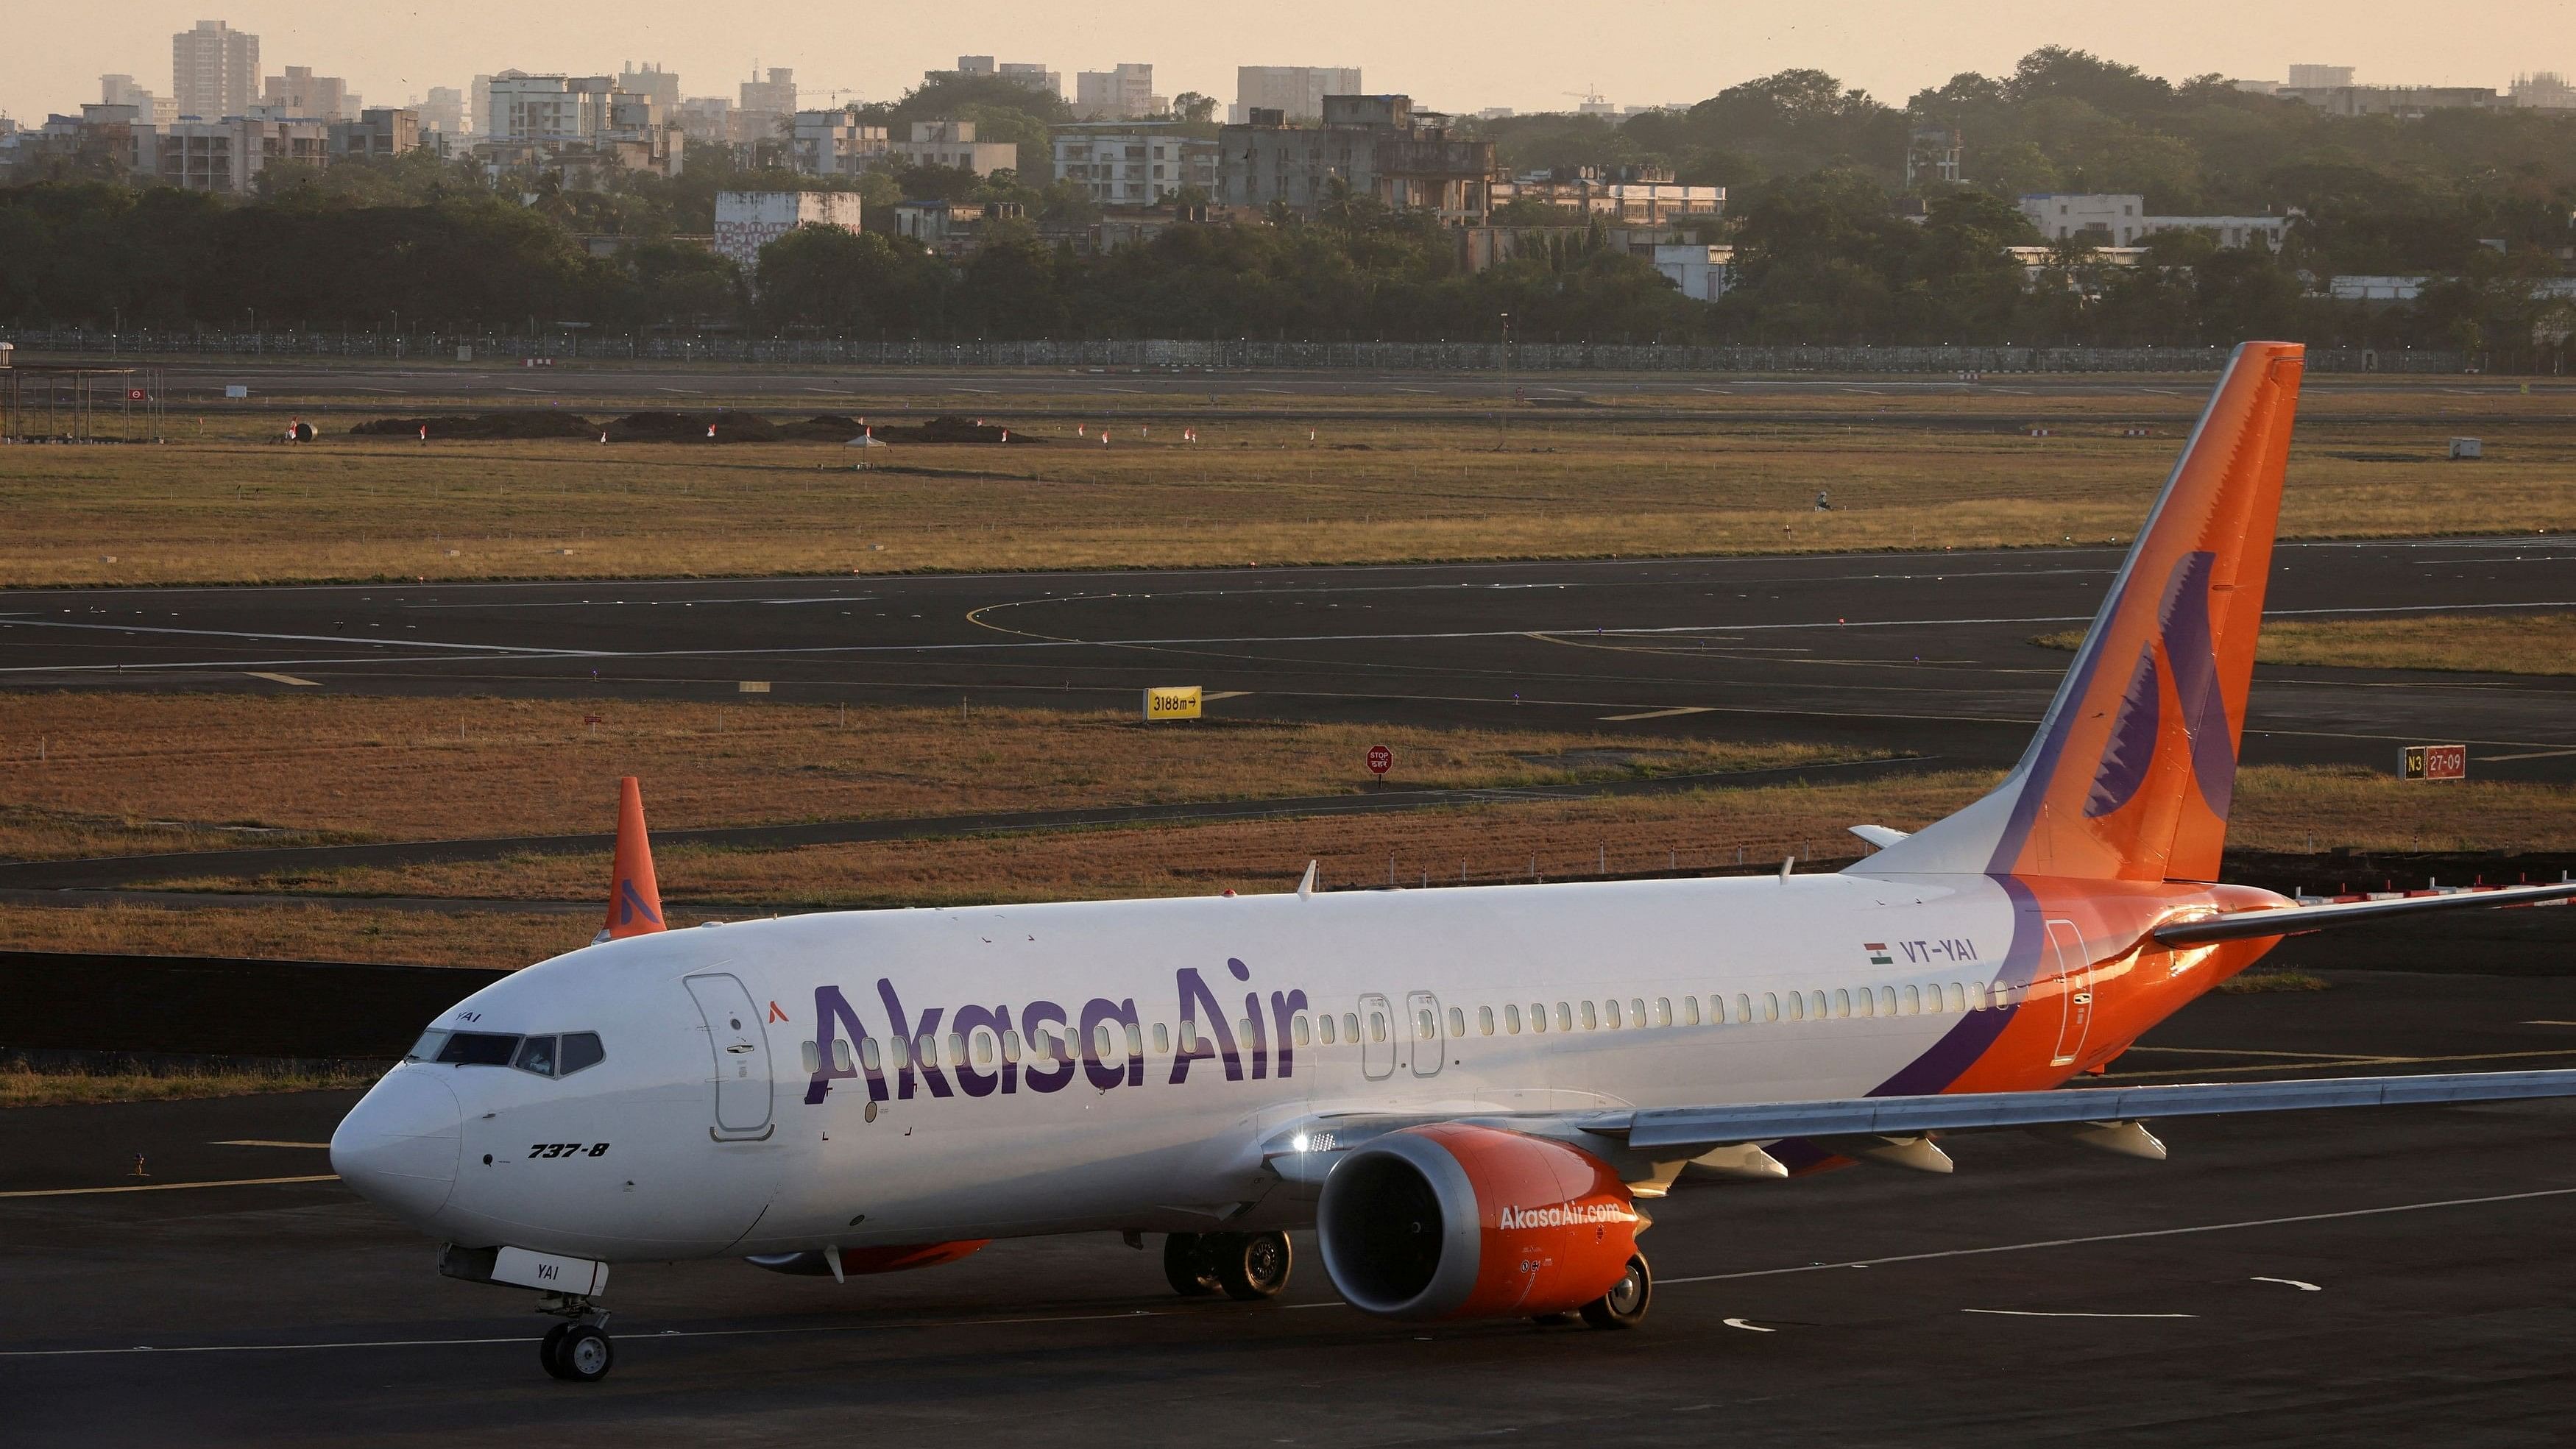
[580, 1049]
[426, 1049]
[537, 1054]
[478, 1049]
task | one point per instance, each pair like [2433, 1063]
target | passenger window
[1565, 1016]
[1958, 997]
[1458, 1022]
[1591, 1018]
[1887, 1001]
[956, 1049]
[1243, 1032]
[1484, 1021]
[840, 1055]
[1324, 1027]
[1010, 1046]
[1377, 1026]
[1136, 1038]
[1637, 1011]
[1512, 1020]
[1842, 1004]
[1298, 1026]
[984, 1045]
[868, 1056]
[900, 1050]
[1816, 1005]
[1162, 1039]
[1744, 1007]
[813, 1056]
[1797, 1007]
[1868, 1002]
[1690, 1009]
[1664, 1011]
[1423, 1030]
[1351, 1028]
[1913, 1001]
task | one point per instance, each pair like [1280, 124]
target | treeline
[1824, 252]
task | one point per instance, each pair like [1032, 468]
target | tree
[1195, 108]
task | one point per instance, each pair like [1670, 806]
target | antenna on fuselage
[1306, 885]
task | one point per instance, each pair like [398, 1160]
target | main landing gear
[1246, 1267]
[579, 1348]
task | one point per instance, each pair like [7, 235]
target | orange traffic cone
[634, 900]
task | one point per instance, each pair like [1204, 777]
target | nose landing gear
[578, 1349]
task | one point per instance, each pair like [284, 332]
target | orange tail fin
[2132, 771]
[634, 900]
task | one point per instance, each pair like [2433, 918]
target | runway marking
[665, 1333]
[265, 1142]
[166, 1186]
[2532, 755]
[282, 678]
[519, 650]
[1224, 694]
[2290, 1283]
[1661, 713]
[1747, 1327]
[2035, 1313]
[689, 391]
[2336, 1062]
[2405, 1207]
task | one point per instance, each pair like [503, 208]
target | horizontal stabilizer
[2292, 920]
[1879, 835]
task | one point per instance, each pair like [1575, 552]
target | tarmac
[2384, 1276]
[1928, 654]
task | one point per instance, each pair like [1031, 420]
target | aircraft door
[2074, 989]
[1378, 1027]
[1422, 1033]
[738, 1042]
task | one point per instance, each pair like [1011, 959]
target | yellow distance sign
[1178, 701]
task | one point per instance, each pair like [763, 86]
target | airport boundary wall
[1210, 355]
[219, 1006]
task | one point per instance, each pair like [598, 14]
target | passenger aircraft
[1469, 1094]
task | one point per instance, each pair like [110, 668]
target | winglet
[1306, 885]
[634, 899]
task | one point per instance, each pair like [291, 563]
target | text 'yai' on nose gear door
[740, 1045]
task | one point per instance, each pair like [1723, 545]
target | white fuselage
[696, 1136]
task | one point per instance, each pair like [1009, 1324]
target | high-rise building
[444, 111]
[660, 86]
[1123, 94]
[214, 70]
[1019, 72]
[776, 95]
[2319, 77]
[301, 93]
[149, 109]
[1296, 92]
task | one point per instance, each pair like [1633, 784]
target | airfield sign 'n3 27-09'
[1471, 1095]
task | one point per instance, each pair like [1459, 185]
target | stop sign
[1380, 759]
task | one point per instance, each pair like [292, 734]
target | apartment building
[214, 71]
[1134, 163]
[1296, 92]
[1367, 146]
[1125, 93]
[953, 143]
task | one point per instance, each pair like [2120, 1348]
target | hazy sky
[1527, 54]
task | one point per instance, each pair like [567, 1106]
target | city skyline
[1447, 55]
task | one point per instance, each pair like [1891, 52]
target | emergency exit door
[738, 1044]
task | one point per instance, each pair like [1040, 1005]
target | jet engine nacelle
[1451, 1221]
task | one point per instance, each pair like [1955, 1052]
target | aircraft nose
[399, 1146]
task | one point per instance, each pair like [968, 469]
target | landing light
[1297, 1143]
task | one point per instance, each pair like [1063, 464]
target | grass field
[2479, 643]
[87, 774]
[217, 505]
[24, 1086]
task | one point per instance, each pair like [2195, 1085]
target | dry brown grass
[1592, 483]
[2276, 808]
[2481, 643]
[25, 1086]
[123, 773]
[293, 932]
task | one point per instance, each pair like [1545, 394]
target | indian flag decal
[1878, 953]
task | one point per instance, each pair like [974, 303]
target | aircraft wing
[2291, 920]
[1649, 1146]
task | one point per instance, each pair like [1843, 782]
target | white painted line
[2290, 1283]
[2404, 1207]
[1748, 1327]
[2533, 755]
[165, 1186]
[265, 1142]
[282, 678]
[1662, 713]
[910, 1325]
[1224, 694]
[513, 650]
[2032, 1313]
[690, 391]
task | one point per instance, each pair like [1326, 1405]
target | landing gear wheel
[551, 1344]
[1250, 1266]
[1185, 1265]
[583, 1355]
[1624, 1306]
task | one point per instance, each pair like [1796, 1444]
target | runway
[692, 385]
[1927, 654]
[2388, 1276]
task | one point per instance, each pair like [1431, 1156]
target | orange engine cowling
[1450, 1221]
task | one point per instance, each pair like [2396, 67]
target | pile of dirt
[730, 427]
[530, 424]
[955, 430]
